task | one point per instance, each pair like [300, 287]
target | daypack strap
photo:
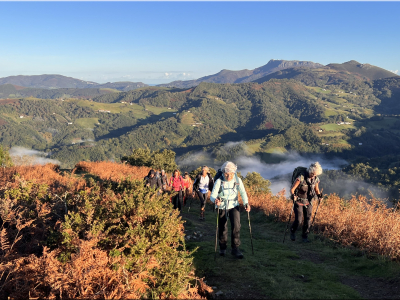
[235, 187]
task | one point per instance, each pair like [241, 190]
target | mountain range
[242, 76]
[273, 69]
[51, 81]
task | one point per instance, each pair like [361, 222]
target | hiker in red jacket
[177, 184]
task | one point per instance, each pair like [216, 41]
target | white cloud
[23, 156]
[395, 72]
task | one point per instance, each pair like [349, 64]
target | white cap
[229, 167]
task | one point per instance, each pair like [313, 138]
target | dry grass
[367, 224]
[113, 171]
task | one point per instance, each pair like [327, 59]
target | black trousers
[234, 217]
[177, 200]
[203, 199]
[302, 214]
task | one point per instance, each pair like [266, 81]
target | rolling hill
[366, 70]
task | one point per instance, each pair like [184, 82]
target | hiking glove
[293, 197]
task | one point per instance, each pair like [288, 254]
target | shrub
[87, 239]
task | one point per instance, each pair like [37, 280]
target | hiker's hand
[320, 197]
[218, 202]
[247, 207]
[293, 197]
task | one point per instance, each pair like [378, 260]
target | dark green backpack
[299, 172]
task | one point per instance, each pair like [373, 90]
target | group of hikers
[224, 189]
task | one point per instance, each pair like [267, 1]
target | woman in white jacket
[225, 195]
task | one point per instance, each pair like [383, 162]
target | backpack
[236, 186]
[299, 172]
[218, 175]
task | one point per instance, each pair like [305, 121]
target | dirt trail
[239, 279]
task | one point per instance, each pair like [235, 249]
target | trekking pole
[251, 236]
[216, 237]
[315, 214]
[287, 226]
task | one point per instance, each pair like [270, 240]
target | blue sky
[158, 42]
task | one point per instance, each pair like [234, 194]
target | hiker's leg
[175, 201]
[234, 217]
[307, 220]
[201, 198]
[180, 199]
[202, 203]
[298, 217]
[222, 229]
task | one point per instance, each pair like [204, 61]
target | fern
[4, 242]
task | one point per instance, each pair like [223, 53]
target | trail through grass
[321, 269]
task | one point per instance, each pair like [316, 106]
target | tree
[257, 183]
[158, 159]
[5, 158]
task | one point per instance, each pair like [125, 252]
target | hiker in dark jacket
[152, 181]
[304, 190]
[202, 184]
[164, 180]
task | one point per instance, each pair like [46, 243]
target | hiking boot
[292, 236]
[202, 215]
[306, 240]
[236, 252]
[222, 252]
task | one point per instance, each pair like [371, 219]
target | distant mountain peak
[352, 62]
[242, 76]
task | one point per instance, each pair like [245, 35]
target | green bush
[154, 159]
[257, 183]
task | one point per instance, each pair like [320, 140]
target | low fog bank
[280, 173]
[22, 156]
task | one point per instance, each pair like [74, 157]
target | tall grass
[365, 223]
